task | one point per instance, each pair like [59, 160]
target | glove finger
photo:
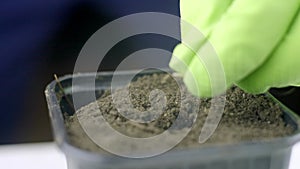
[212, 74]
[203, 14]
[244, 38]
[181, 58]
[197, 19]
[282, 68]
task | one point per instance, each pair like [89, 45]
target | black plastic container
[274, 154]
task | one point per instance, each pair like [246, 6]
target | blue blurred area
[26, 27]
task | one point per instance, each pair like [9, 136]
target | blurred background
[42, 38]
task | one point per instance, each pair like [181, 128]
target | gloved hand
[257, 43]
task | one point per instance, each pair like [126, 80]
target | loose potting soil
[246, 117]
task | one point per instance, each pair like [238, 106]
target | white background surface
[48, 156]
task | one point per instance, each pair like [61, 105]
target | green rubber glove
[257, 43]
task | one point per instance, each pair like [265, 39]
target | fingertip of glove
[177, 66]
[196, 85]
[181, 58]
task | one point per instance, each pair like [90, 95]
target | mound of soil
[246, 117]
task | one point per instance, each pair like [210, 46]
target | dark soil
[246, 117]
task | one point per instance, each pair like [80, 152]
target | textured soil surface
[246, 117]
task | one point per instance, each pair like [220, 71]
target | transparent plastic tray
[274, 154]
